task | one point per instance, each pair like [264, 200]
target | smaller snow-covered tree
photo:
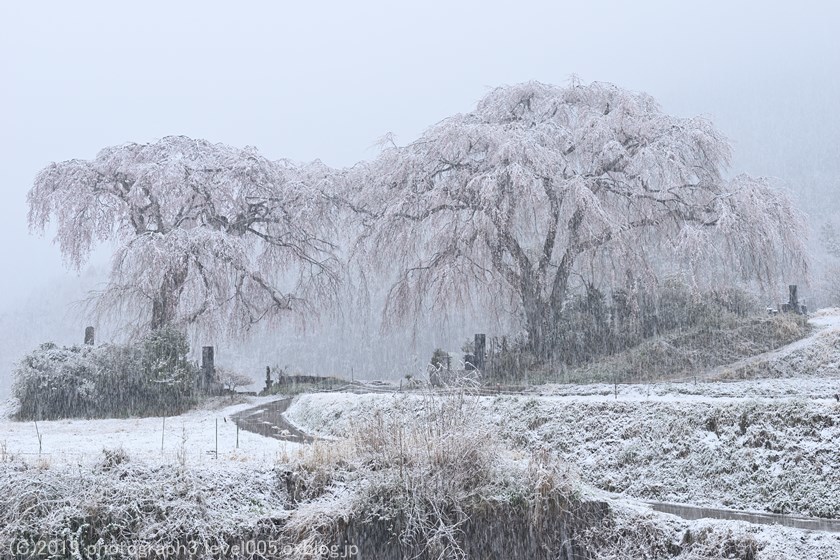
[230, 379]
[206, 234]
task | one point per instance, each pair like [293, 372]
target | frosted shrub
[149, 378]
[53, 382]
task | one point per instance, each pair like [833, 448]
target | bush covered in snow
[152, 377]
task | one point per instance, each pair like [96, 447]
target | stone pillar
[89, 336]
[208, 368]
[480, 351]
[793, 300]
[268, 379]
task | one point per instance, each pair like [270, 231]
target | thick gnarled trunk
[165, 303]
[544, 308]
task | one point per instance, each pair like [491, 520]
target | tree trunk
[543, 313]
[165, 304]
[537, 322]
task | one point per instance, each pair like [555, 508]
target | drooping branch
[543, 176]
[207, 233]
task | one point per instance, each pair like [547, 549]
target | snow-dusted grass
[191, 435]
[769, 454]
[775, 455]
[110, 480]
[778, 456]
[134, 503]
[681, 353]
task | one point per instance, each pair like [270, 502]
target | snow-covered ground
[772, 453]
[769, 443]
[765, 444]
[776, 455]
[191, 436]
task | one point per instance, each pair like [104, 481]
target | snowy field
[777, 455]
[191, 437]
[765, 444]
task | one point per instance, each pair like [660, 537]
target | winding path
[820, 323]
[268, 420]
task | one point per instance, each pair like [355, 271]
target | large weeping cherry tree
[542, 189]
[206, 235]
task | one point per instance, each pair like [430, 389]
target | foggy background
[326, 80]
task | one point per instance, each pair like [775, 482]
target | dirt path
[819, 323]
[268, 420]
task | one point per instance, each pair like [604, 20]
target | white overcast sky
[306, 80]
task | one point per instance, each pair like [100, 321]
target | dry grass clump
[421, 466]
[427, 463]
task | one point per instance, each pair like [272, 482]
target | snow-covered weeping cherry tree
[542, 189]
[207, 235]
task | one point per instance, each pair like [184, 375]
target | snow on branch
[512, 198]
[207, 234]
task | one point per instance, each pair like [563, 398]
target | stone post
[793, 300]
[480, 351]
[268, 379]
[89, 336]
[208, 368]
